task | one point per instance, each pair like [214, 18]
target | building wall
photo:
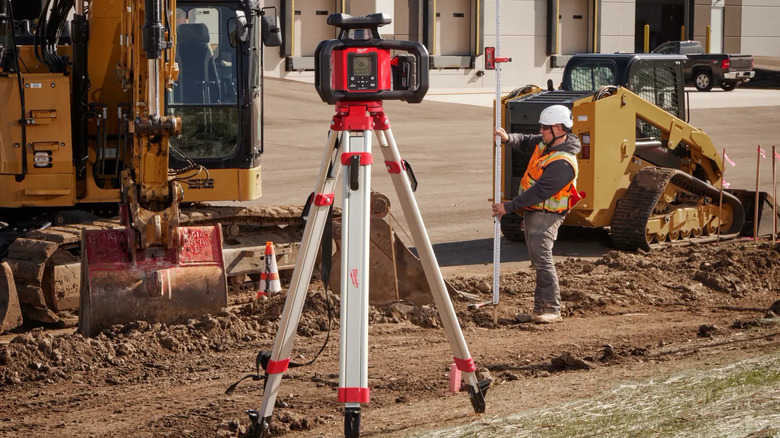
[617, 33]
[523, 38]
[760, 34]
[732, 26]
[750, 26]
[702, 14]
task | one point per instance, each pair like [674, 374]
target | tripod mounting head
[358, 64]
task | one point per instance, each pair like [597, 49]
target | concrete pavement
[716, 98]
[450, 149]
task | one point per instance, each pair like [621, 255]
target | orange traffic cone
[269, 279]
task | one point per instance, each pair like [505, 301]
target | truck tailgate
[740, 62]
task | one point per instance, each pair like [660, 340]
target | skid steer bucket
[120, 283]
[765, 225]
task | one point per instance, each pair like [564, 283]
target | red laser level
[359, 64]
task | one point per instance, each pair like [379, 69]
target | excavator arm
[153, 269]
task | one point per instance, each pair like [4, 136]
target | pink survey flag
[725, 184]
[777, 155]
[761, 151]
[730, 161]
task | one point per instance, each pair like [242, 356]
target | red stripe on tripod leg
[354, 395]
[277, 366]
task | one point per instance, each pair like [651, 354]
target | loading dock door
[311, 25]
[453, 27]
[573, 26]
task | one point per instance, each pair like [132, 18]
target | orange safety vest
[567, 197]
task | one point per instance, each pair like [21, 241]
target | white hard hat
[556, 115]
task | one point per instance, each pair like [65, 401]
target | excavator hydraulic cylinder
[153, 32]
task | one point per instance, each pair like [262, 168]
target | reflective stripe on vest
[558, 203]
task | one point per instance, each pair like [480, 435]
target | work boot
[546, 318]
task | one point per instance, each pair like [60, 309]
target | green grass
[740, 400]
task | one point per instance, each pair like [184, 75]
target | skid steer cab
[646, 174]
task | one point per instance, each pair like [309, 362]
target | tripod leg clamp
[465, 365]
[323, 199]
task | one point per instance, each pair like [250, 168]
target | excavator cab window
[205, 95]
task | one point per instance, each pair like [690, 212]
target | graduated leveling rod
[356, 73]
[493, 62]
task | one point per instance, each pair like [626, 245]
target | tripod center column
[355, 236]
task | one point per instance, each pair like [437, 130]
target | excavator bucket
[396, 274]
[120, 283]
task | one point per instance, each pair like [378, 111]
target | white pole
[497, 171]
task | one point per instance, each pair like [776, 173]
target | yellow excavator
[644, 173]
[138, 104]
[141, 109]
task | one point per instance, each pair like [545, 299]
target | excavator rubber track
[628, 227]
[46, 262]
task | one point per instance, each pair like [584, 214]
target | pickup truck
[707, 69]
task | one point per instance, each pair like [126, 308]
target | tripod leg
[355, 237]
[422, 243]
[299, 284]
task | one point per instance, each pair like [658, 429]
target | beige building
[539, 35]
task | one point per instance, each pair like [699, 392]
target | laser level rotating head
[358, 65]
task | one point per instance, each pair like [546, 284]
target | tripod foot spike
[258, 427]
[352, 422]
[478, 398]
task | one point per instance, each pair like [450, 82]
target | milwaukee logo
[353, 274]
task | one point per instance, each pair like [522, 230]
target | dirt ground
[627, 316]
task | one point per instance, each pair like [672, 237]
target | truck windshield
[591, 75]
[205, 93]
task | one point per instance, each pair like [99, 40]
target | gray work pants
[541, 230]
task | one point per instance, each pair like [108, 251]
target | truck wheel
[512, 227]
[728, 86]
[703, 80]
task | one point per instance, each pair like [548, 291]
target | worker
[546, 194]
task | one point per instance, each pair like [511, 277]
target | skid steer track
[628, 227]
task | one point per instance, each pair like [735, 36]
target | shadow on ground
[764, 79]
[572, 242]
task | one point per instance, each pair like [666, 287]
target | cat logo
[202, 183]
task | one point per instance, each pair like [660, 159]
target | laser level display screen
[361, 66]
[362, 71]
